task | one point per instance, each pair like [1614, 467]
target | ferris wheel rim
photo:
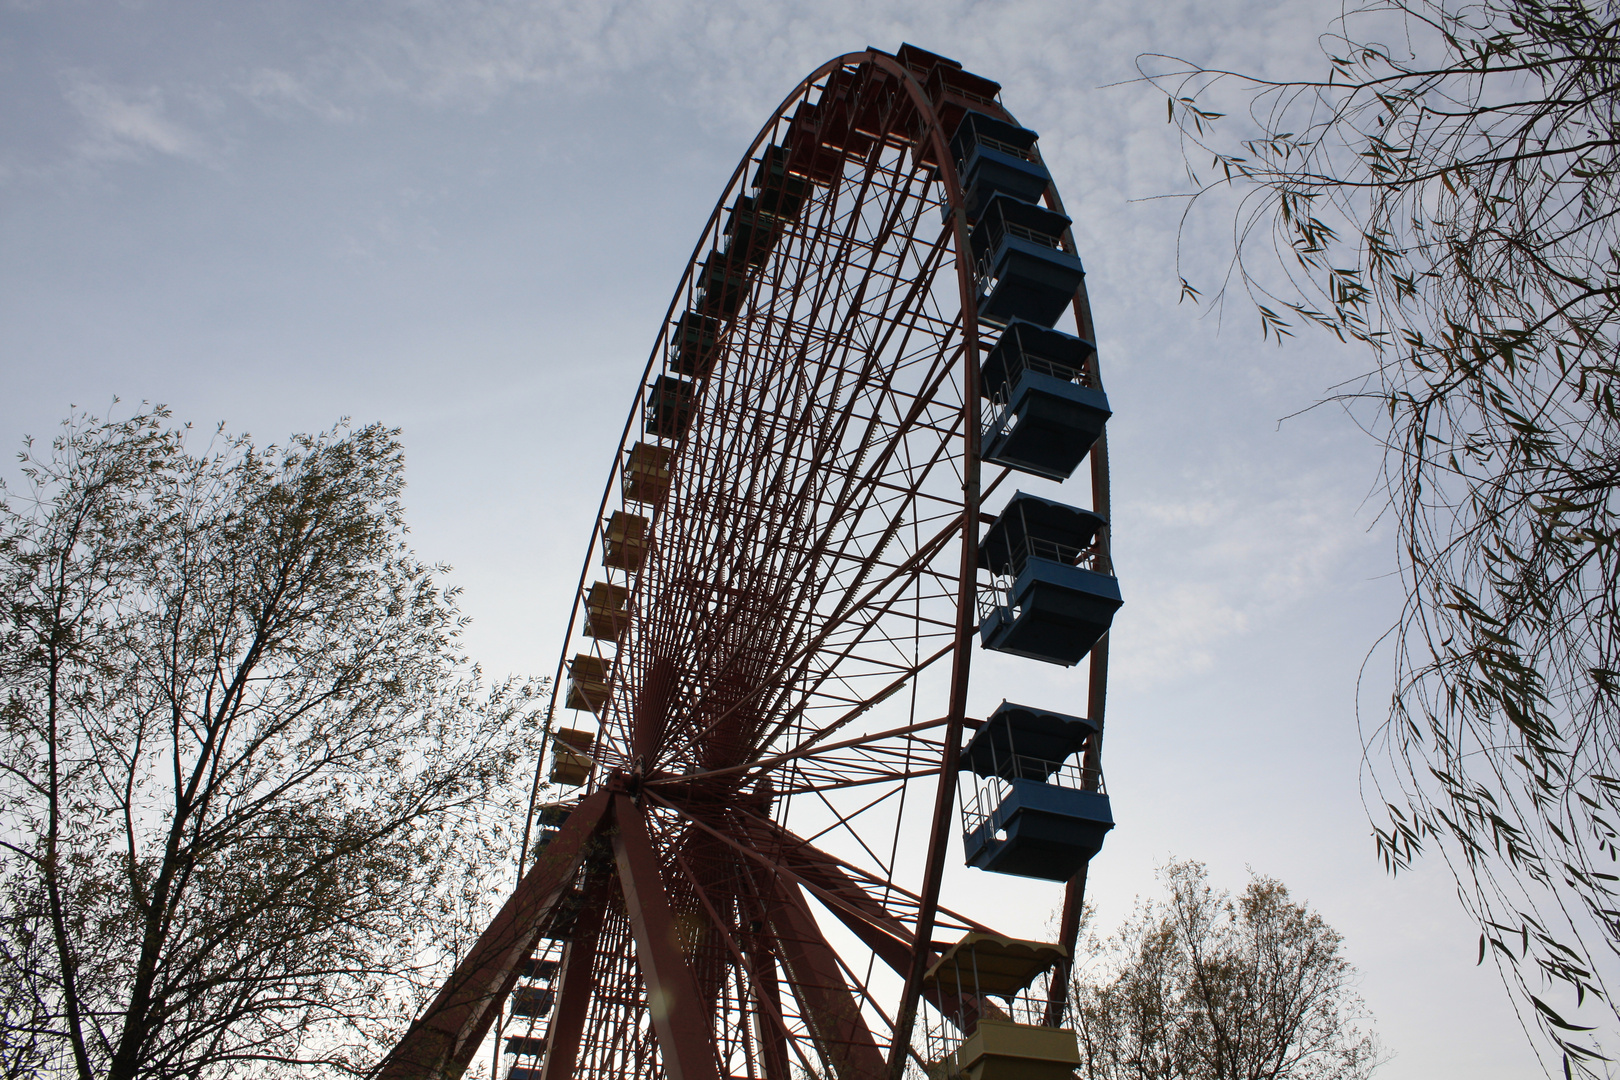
[960, 647]
[926, 902]
[948, 175]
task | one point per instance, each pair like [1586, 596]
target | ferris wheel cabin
[1042, 603]
[981, 1039]
[1044, 415]
[1026, 274]
[995, 157]
[1029, 812]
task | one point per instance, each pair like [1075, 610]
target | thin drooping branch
[1452, 204]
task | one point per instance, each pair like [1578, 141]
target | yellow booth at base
[994, 1046]
[1003, 1050]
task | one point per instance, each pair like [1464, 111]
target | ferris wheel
[761, 755]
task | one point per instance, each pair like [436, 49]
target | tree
[252, 797]
[1204, 987]
[1450, 201]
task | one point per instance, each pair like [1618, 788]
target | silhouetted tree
[251, 795]
[1205, 987]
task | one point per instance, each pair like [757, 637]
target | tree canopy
[251, 794]
[1445, 193]
[1202, 986]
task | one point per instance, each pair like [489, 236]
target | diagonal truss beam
[758, 964]
[808, 747]
[443, 1040]
[684, 1029]
[825, 1000]
[574, 989]
[768, 1012]
[803, 850]
[876, 926]
[779, 868]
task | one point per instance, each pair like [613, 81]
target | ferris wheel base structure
[770, 645]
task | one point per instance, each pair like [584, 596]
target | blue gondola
[1022, 269]
[532, 1000]
[526, 1046]
[994, 157]
[1029, 814]
[1042, 604]
[540, 969]
[1043, 417]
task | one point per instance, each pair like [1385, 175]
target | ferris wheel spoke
[844, 503]
[819, 979]
[886, 935]
[861, 490]
[817, 864]
[806, 653]
[841, 504]
[762, 986]
[877, 602]
[861, 633]
[774, 1043]
[899, 314]
[849, 712]
[893, 523]
[844, 820]
[760, 768]
[874, 925]
[831, 779]
[887, 630]
[826, 878]
[757, 965]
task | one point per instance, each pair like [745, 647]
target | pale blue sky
[466, 218]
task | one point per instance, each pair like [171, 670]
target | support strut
[825, 999]
[684, 1030]
[574, 984]
[444, 1039]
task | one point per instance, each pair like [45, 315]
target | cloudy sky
[466, 217]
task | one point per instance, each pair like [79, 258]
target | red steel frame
[812, 564]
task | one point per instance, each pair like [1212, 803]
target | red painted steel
[773, 1041]
[830, 1009]
[446, 1037]
[945, 795]
[576, 979]
[682, 1025]
[1074, 893]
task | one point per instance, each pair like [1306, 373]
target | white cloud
[129, 124]
[279, 92]
[1212, 562]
